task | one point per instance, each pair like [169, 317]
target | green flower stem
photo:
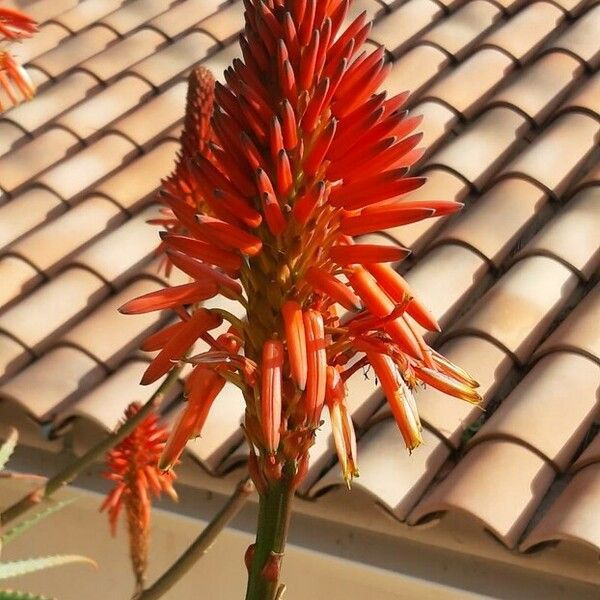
[73, 469]
[202, 543]
[273, 523]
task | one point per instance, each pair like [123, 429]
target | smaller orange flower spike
[133, 467]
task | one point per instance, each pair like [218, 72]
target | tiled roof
[510, 94]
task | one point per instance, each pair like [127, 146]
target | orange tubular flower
[14, 80]
[132, 466]
[303, 153]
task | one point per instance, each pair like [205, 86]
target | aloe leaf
[8, 447]
[38, 517]
[14, 595]
[31, 565]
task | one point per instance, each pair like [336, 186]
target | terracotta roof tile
[123, 54]
[107, 335]
[580, 331]
[579, 220]
[134, 14]
[576, 133]
[48, 37]
[572, 516]
[9, 135]
[581, 39]
[63, 374]
[464, 91]
[77, 173]
[105, 404]
[508, 91]
[477, 153]
[519, 309]
[74, 50]
[447, 290]
[90, 116]
[486, 485]
[44, 10]
[416, 69]
[400, 479]
[155, 116]
[511, 205]
[52, 308]
[18, 277]
[172, 60]
[49, 247]
[52, 102]
[184, 15]
[522, 35]
[539, 90]
[589, 456]
[136, 182]
[450, 417]
[25, 212]
[438, 121]
[13, 357]
[34, 157]
[573, 7]
[405, 23]
[587, 98]
[539, 414]
[115, 256]
[86, 13]
[226, 23]
[464, 27]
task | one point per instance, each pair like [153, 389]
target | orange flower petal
[170, 298]
[296, 341]
[270, 418]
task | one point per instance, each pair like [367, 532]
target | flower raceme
[132, 466]
[14, 80]
[304, 154]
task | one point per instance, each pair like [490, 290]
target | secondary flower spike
[305, 153]
[132, 466]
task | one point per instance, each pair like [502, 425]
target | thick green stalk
[275, 509]
[202, 544]
[73, 469]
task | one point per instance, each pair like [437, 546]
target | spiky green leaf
[8, 447]
[32, 565]
[15, 595]
[21, 528]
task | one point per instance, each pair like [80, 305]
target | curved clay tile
[387, 472]
[590, 455]
[551, 410]
[523, 33]
[519, 309]
[576, 133]
[574, 515]
[488, 142]
[443, 290]
[579, 220]
[104, 405]
[580, 331]
[512, 204]
[459, 32]
[487, 485]
[49, 384]
[449, 417]
[542, 85]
